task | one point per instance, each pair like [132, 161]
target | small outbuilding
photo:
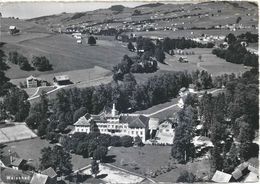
[62, 80]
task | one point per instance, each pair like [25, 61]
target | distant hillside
[214, 13]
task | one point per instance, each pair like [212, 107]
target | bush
[127, 141]
[115, 141]
[92, 40]
[41, 63]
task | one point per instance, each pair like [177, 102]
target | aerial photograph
[129, 92]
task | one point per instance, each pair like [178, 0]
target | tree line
[40, 63]
[229, 119]
[182, 43]
[50, 117]
[236, 53]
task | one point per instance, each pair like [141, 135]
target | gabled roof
[136, 121]
[83, 121]
[17, 162]
[221, 177]
[237, 174]
[251, 177]
[62, 77]
[49, 172]
[39, 179]
[31, 77]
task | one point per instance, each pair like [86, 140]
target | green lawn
[65, 54]
[149, 158]
[31, 149]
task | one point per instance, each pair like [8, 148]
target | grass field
[150, 158]
[31, 150]
[64, 53]
[211, 63]
[16, 133]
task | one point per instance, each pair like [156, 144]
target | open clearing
[16, 133]
[209, 62]
[109, 174]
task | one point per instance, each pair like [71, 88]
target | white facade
[114, 124]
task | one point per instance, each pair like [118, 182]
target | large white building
[110, 122]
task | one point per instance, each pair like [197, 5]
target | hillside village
[157, 93]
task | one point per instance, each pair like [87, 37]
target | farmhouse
[33, 82]
[113, 123]
[13, 30]
[62, 80]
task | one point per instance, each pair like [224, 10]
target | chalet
[13, 30]
[33, 82]
[62, 80]
[113, 123]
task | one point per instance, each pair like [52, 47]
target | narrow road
[60, 87]
[171, 106]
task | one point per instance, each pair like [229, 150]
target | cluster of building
[34, 82]
[109, 121]
[14, 169]
[246, 172]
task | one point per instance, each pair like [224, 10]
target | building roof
[253, 162]
[31, 77]
[135, 121]
[62, 78]
[251, 177]
[83, 121]
[39, 179]
[17, 162]
[237, 173]
[12, 27]
[49, 172]
[221, 177]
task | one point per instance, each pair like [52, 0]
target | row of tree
[128, 96]
[182, 43]
[41, 63]
[236, 53]
[135, 64]
[230, 120]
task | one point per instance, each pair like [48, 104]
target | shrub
[127, 141]
[92, 40]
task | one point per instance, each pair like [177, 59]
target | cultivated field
[16, 133]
